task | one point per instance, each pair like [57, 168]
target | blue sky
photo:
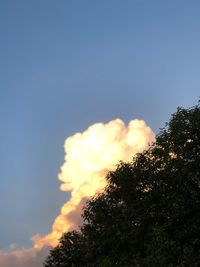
[67, 64]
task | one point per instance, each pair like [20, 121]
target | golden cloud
[88, 157]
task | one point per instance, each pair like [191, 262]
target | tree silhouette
[149, 213]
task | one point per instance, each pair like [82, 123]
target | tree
[69, 252]
[149, 213]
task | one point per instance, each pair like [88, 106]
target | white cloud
[88, 157]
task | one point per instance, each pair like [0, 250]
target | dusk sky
[65, 65]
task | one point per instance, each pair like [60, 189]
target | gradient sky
[65, 65]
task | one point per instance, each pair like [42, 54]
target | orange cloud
[88, 157]
[23, 258]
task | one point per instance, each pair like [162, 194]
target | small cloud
[23, 258]
[12, 246]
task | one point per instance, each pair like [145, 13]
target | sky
[65, 65]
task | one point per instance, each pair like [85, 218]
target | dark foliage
[149, 214]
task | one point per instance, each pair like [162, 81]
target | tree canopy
[149, 213]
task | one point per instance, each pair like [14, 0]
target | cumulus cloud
[88, 157]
